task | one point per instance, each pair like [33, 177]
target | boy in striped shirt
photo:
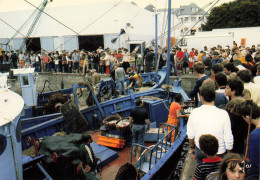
[209, 147]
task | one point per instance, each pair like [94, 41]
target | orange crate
[108, 144]
[111, 140]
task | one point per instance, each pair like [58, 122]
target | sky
[14, 5]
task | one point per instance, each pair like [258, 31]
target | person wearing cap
[216, 59]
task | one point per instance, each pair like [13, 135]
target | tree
[239, 13]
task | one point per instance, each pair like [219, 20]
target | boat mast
[168, 44]
[156, 41]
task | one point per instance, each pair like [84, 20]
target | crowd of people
[226, 95]
[223, 129]
[77, 61]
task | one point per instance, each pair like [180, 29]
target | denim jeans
[172, 65]
[95, 66]
[138, 132]
[101, 69]
[120, 85]
[76, 66]
[57, 68]
[112, 66]
[138, 69]
[46, 67]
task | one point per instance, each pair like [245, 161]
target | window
[186, 19]
[25, 80]
[183, 42]
[201, 18]
[194, 9]
[193, 18]
[181, 19]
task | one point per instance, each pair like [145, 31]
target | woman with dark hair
[230, 68]
[232, 167]
[174, 114]
[250, 62]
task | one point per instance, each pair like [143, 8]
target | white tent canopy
[88, 19]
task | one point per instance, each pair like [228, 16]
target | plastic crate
[111, 140]
[108, 144]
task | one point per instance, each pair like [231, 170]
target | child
[231, 167]
[209, 147]
[191, 61]
[56, 62]
[139, 63]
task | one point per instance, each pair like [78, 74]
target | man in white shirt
[246, 77]
[208, 119]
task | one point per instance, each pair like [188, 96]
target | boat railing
[155, 151]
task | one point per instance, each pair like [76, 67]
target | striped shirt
[207, 166]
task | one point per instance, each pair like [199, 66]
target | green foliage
[239, 13]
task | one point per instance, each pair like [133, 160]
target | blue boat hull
[47, 126]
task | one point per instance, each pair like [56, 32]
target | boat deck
[109, 171]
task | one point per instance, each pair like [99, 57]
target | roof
[191, 9]
[85, 19]
[150, 8]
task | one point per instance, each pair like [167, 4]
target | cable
[52, 17]
[35, 21]
[194, 25]
[89, 25]
[17, 32]
[173, 28]
[24, 24]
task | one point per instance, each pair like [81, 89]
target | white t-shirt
[257, 80]
[56, 61]
[209, 119]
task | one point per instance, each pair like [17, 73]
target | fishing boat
[155, 163]
[155, 101]
[37, 104]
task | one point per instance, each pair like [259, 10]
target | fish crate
[111, 142]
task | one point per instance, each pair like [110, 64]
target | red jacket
[180, 54]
